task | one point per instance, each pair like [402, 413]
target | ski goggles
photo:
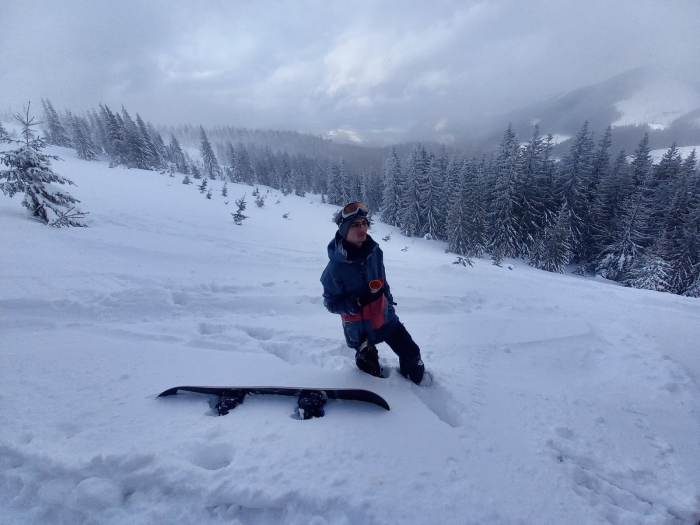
[352, 209]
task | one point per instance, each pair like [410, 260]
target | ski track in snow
[555, 399]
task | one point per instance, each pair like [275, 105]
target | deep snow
[557, 399]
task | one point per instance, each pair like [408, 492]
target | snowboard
[310, 401]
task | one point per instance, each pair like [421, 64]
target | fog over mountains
[661, 101]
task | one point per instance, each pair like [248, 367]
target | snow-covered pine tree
[410, 216]
[114, 136]
[187, 180]
[29, 172]
[176, 156]
[285, 175]
[477, 229]
[153, 159]
[335, 194]
[159, 144]
[56, 134]
[224, 190]
[247, 173]
[265, 171]
[683, 229]
[601, 164]
[211, 165]
[627, 241]
[650, 271]
[551, 250]
[4, 135]
[530, 195]
[298, 182]
[81, 141]
[136, 154]
[345, 182]
[505, 216]
[606, 211]
[391, 199]
[458, 216]
[642, 163]
[665, 179]
[230, 168]
[574, 182]
[238, 216]
[203, 186]
[371, 190]
[432, 201]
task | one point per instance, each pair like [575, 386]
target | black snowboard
[310, 400]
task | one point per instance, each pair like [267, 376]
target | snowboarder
[355, 286]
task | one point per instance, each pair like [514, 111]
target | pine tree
[56, 133]
[335, 195]
[346, 187]
[187, 180]
[211, 165]
[477, 230]
[504, 216]
[84, 146]
[432, 218]
[627, 243]
[575, 180]
[650, 272]
[410, 217]
[243, 170]
[665, 180]
[114, 136]
[203, 186]
[151, 153]
[601, 163]
[4, 135]
[176, 156]
[530, 195]
[642, 162]
[458, 217]
[30, 173]
[551, 250]
[224, 190]
[136, 153]
[238, 216]
[391, 199]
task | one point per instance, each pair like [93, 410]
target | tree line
[618, 216]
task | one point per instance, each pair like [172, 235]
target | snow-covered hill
[557, 399]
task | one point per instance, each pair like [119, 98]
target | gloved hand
[368, 296]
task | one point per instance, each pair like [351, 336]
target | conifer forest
[594, 211]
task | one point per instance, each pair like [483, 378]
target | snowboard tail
[310, 401]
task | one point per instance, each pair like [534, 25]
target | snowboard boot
[413, 369]
[367, 359]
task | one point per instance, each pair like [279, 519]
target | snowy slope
[557, 399]
[658, 102]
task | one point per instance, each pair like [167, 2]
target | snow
[346, 134]
[658, 103]
[557, 399]
[684, 151]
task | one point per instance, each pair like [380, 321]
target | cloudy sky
[315, 65]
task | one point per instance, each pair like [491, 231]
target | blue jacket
[346, 276]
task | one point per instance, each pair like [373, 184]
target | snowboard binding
[229, 401]
[310, 404]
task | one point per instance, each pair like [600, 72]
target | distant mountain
[663, 102]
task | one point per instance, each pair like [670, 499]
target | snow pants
[401, 342]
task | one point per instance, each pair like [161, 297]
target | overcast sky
[314, 65]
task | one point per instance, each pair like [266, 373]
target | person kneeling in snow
[355, 286]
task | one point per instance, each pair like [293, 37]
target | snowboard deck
[310, 400]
